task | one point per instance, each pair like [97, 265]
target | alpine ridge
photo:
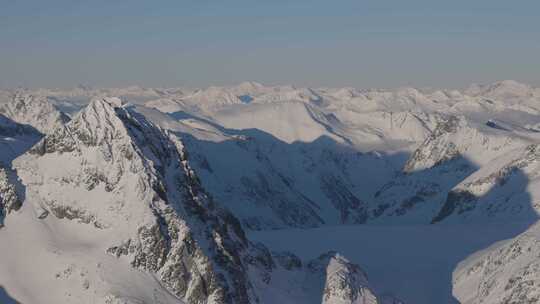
[133, 188]
[258, 194]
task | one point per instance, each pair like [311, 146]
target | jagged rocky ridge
[328, 181]
[33, 110]
[432, 177]
[497, 192]
[15, 138]
[9, 200]
[114, 170]
[472, 163]
[507, 273]
[345, 282]
[192, 246]
[264, 188]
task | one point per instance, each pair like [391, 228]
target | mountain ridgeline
[154, 196]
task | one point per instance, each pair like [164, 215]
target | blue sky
[309, 43]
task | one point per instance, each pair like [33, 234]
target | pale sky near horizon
[63, 43]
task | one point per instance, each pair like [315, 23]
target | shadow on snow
[406, 257]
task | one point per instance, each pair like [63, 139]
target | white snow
[413, 262]
[50, 261]
[308, 161]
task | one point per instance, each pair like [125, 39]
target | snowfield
[416, 262]
[260, 194]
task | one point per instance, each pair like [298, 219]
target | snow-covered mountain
[507, 272]
[154, 196]
[35, 111]
[110, 185]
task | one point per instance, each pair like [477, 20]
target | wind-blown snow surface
[162, 195]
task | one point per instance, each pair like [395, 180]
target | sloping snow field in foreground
[43, 264]
[413, 262]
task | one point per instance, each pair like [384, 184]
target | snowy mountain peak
[112, 170]
[130, 186]
[131, 204]
[346, 282]
[505, 89]
[438, 146]
[35, 111]
[98, 123]
[115, 102]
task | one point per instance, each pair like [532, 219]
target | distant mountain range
[141, 195]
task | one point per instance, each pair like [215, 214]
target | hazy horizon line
[268, 85]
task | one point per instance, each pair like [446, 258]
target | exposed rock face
[438, 179]
[509, 273]
[438, 147]
[22, 121]
[458, 202]
[418, 196]
[350, 207]
[9, 200]
[159, 201]
[34, 111]
[430, 172]
[497, 191]
[114, 170]
[458, 137]
[15, 138]
[345, 282]
[320, 184]
[177, 232]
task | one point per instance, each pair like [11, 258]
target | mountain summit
[256, 194]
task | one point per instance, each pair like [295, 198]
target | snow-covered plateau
[270, 194]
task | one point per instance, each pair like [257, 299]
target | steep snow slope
[15, 139]
[369, 119]
[35, 111]
[415, 121]
[455, 149]
[507, 272]
[504, 189]
[117, 215]
[269, 183]
[9, 198]
[150, 189]
[288, 121]
[18, 137]
[58, 262]
[123, 167]
[340, 272]
[415, 262]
